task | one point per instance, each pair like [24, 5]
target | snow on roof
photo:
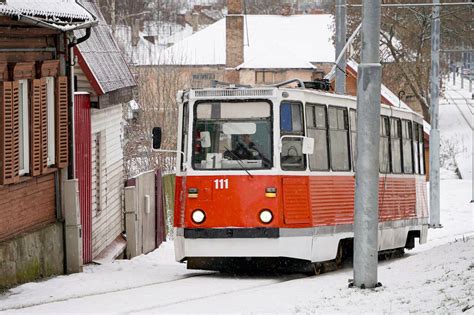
[102, 55]
[270, 41]
[50, 11]
[146, 52]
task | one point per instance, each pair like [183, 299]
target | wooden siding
[83, 84]
[107, 217]
[27, 206]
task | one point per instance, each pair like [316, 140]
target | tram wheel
[339, 256]
[318, 268]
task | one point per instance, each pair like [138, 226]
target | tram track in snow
[203, 280]
[91, 294]
[155, 285]
[156, 307]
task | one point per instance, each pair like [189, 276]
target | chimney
[195, 22]
[287, 9]
[234, 40]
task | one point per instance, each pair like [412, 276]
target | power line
[409, 5]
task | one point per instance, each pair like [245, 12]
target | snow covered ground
[456, 120]
[435, 277]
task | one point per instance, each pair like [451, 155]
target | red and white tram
[268, 173]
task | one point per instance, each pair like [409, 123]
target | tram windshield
[232, 135]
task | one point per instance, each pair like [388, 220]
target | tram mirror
[156, 137]
[239, 128]
[308, 145]
[205, 139]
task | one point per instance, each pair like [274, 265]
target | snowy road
[438, 276]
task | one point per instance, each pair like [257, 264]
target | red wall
[82, 133]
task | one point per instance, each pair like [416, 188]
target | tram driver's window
[291, 131]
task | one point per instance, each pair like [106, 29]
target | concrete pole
[462, 68]
[340, 43]
[471, 74]
[367, 173]
[434, 133]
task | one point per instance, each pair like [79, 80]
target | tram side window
[407, 139]
[316, 123]
[384, 151]
[291, 127]
[416, 158]
[353, 126]
[184, 139]
[395, 143]
[339, 138]
[421, 149]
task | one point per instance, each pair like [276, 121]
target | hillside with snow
[456, 123]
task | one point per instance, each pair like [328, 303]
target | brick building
[254, 49]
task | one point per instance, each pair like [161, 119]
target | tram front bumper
[240, 242]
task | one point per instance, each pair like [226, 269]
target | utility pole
[434, 133]
[367, 172]
[471, 74]
[340, 43]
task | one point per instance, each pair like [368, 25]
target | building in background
[255, 50]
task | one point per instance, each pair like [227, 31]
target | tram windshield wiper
[239, 161]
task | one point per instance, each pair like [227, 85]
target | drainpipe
[70, 73]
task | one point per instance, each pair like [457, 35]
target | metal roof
[102, 55]
[64, 15]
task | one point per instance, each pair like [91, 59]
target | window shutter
[44, 126]
[9, 133]
[61, 122]
[35, 138]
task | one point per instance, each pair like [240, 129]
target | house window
[51, 126]
[202, 80]
[268, 77]
[24, 127]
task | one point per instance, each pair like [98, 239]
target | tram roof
[271, 91]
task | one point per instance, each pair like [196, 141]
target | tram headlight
[266, 216]
[198, 216]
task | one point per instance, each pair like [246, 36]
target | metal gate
[83, 165]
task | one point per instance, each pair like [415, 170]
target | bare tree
[157, 89]
[451, 148]
[406, 44]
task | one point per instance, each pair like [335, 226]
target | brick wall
[234, 6]
[27, 206]
[234, 40]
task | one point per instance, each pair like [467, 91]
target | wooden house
[36, 40]
[103, 74]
